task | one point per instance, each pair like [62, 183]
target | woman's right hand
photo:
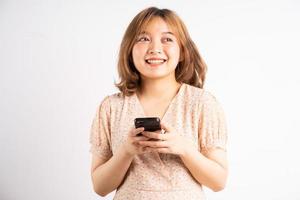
[131, 145]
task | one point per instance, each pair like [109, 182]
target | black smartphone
[149, 123]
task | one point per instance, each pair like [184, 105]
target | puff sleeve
[212, 125]
[100, 138]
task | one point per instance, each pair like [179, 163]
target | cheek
[134, 53]
[138, 51]
[138, 56]
[175, 52]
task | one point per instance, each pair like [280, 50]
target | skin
[158, 87]
[157, 37]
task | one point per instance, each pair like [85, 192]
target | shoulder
[199, 94]
[203, 99]
[112, 100]
[115, 97]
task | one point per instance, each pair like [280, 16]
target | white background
[58, 61]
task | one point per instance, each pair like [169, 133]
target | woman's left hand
[170, 142]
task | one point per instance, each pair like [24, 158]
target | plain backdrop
[58, 61]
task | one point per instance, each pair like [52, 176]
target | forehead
[156, 25]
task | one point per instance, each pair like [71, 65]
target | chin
[155, 76]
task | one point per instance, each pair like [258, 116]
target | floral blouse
[194, 113]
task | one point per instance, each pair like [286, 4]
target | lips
[155, 60]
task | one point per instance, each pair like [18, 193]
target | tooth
[155, 61]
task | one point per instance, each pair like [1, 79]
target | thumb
[165, 127]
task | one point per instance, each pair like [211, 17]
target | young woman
[161, 75]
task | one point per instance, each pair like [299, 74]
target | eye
[143, 39]
[168, 39]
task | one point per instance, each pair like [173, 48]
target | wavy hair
[191, 68]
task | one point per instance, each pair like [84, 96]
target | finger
[150, 133]
[159, 150]
[136, 139]
[140, 138]
[155, 135]
[153, 143]
[136, 131]
[165, 127]
[158, 131]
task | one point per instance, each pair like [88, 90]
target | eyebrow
[168, 32]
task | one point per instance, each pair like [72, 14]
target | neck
[158, 88]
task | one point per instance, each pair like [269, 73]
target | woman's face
[156, 51]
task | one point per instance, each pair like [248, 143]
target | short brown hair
[191, 68]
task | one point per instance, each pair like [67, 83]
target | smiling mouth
[155, 61]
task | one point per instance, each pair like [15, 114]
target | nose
[158, 51]
[155, 47]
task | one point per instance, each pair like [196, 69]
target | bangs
[167, 15]
[191, 68]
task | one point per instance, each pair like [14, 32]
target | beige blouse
[194, 113]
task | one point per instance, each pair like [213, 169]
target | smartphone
[149, 123]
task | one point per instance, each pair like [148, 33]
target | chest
[183, 117]
[155, 108]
